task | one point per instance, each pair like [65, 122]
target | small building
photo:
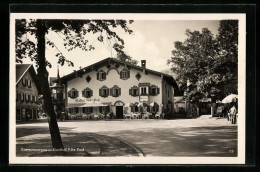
[57, 92]
[111, 85]
[27, 92]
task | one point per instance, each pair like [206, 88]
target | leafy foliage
[74, 34]
[209, 63]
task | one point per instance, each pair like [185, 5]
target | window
[18, 114]
[115, 91]
[154, 90]
[17, 96]
[103, 91]
[27, 97]
[143, 91]
[32, 98]
[31, 114]
[124, 74]
[21, 97]
[87, 93]
[133, 91]
[87, 110]
[24, 82]
[76, 110]
[34, 114]
[104, 109]
[73, 93]
[101, 75]
[29, 83]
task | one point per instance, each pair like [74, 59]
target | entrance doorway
[119, 112]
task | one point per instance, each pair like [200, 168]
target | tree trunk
[43, 80]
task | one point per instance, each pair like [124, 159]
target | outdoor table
[127, 116]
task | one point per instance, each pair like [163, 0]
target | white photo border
[240, 159]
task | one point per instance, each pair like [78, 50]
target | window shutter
[111, 92]
[138, 92]
[24, 82]
[105, 75]
[69, 93]
[83, 93]
[119, 91]
[77, 94]
[29, 83]
[97, 75]
[128, 74]
[121, 74]
[158, 90]
[149, 90]
[130, 91]
[100, 92]
[91, 93]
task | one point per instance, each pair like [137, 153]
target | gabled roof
[108, 60]
[22, 69]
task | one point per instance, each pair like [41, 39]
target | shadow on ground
[215, 141]
[35, 141]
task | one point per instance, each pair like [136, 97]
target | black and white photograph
[95, 88]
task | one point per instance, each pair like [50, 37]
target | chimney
[143, 63]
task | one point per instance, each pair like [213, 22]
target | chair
[84, 116]
[96, 116]
[157, 116]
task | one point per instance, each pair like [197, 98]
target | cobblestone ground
[204, 136]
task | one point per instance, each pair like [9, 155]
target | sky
[151, 40]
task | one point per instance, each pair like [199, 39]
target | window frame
[115, 91]
[101, 75]
[86, 91]
[125, 74]
[101, 91]
[73, 93]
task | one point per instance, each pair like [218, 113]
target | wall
[167, 96]
[26, 90]
[113, 78]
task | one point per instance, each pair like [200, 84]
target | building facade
[123, 88]
[27, 92]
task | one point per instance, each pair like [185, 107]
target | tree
[209, 63]
[74, 34]
[192, 60]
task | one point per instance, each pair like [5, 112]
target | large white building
[123, 87]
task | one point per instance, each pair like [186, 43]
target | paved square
[204, 136]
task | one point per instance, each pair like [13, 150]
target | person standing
[233, 112]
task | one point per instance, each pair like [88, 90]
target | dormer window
[104, 91]
[101, 75]
[87, 93]
[73, 93]
[115, 91]
[124, 74]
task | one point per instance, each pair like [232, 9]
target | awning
[93, 104]
[72, 105]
